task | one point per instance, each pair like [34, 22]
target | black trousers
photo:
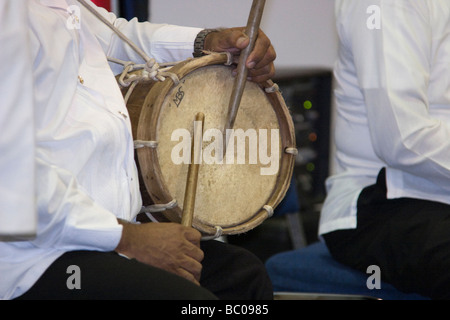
[409, 239]
[229, 272]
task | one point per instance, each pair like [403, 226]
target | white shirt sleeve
[17, 205]
[163, 42]
[393, 66]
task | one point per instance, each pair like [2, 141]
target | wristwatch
[199, 43]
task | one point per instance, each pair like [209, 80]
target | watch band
[199, 43]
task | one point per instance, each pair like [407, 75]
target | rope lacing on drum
[154, 208]
[229, 58]
[145, 144]
[273, 88]
[228, 54]
[269, 210]
[150, 71]
[293, 151]
[157, 73]
[218, 234]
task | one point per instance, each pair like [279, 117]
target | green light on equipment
[310, 167]
[307, 104]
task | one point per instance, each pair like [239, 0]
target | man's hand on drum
[233, 40]
[168, 246]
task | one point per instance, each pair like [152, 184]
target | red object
[103, 3]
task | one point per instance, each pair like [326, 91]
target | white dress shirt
[17, 217]
[392, 104]
[68, 139]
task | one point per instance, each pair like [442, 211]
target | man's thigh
[108, 276]
[409, 239]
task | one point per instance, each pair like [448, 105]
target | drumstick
[194, 166]
[251, 31]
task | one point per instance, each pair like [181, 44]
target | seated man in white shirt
[68, 157]
[388, 201]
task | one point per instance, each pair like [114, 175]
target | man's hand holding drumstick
[169, 246]
[174, 247]
[234, 40]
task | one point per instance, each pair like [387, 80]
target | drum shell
[145, 106]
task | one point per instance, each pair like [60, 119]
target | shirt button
[81, 79]
[123, 114]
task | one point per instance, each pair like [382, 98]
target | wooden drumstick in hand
[251, 31]
[194, 166]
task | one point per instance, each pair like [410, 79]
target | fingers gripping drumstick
[251, 31]
[194, 166]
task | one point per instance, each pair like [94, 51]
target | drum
[243, 176]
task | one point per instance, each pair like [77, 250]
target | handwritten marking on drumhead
[178, 97]
[238, 151]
